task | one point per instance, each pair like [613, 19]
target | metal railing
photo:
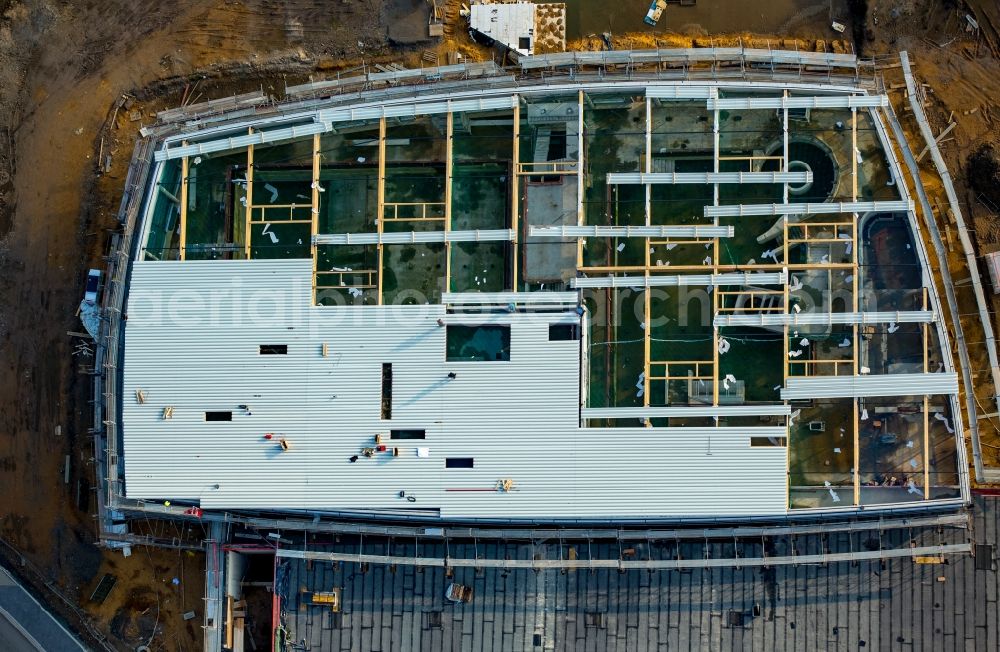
[106, 399]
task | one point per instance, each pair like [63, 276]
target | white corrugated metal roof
[809, 318]
[817, 102]
[654, 178]
[543, 297]
[753, 410]
[689, 231]
[873, 385]
[741, 210]
[733, 278]
[407, 237]
[191, 343]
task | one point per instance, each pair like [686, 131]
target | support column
[715, 259]
[449, 171]
[647, 312]
[927, 433]
[315, 214]
[380, 214]
[784, 240]
[579, 178]
[856, 350]
[649, 164]
[247, 238]
[182, 243]
[788, 279]
[515, 194]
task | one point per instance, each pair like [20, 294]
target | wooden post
[515, 197]
[649, 164]
[647, 300]
[927, 434]
[580, 218]
[182, 244]
[646, 343]
[247, 237]
[315, 214]
[380, 201]
[449, 171]
[715, 257]
[785, 364]
[855, 352]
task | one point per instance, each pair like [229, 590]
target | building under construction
[593, 295]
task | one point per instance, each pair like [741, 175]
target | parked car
[93, 284]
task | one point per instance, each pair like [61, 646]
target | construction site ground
[65, 140]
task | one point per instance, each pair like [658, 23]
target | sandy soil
[64, 64]
[62, 67]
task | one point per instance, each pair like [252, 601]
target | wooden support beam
[715, 255]
[855, 350]
[247, 236]
[646, 345]
[648, 161]
[182, 243]
[647, 300]
[784, 259]
[854, 154]
[314, 229]
[515, 195]
[927, 434]
[579, 178]
[449, 171]
[380, 201]
[927, 148]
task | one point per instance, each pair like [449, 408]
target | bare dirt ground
[63, 66]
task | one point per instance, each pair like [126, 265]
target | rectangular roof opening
[559, 332]
[219, 416]
[458, 463]
[386, 410]
[273, 349]
[407, 434]
[484, 343]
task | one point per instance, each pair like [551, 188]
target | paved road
[25, 626]
[13, 638]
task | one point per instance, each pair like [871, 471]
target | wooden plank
[580, 217]
[449, 173]
[182, 244]
[314, 224]
[380, 201]
[248, 237]
[515, 199]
